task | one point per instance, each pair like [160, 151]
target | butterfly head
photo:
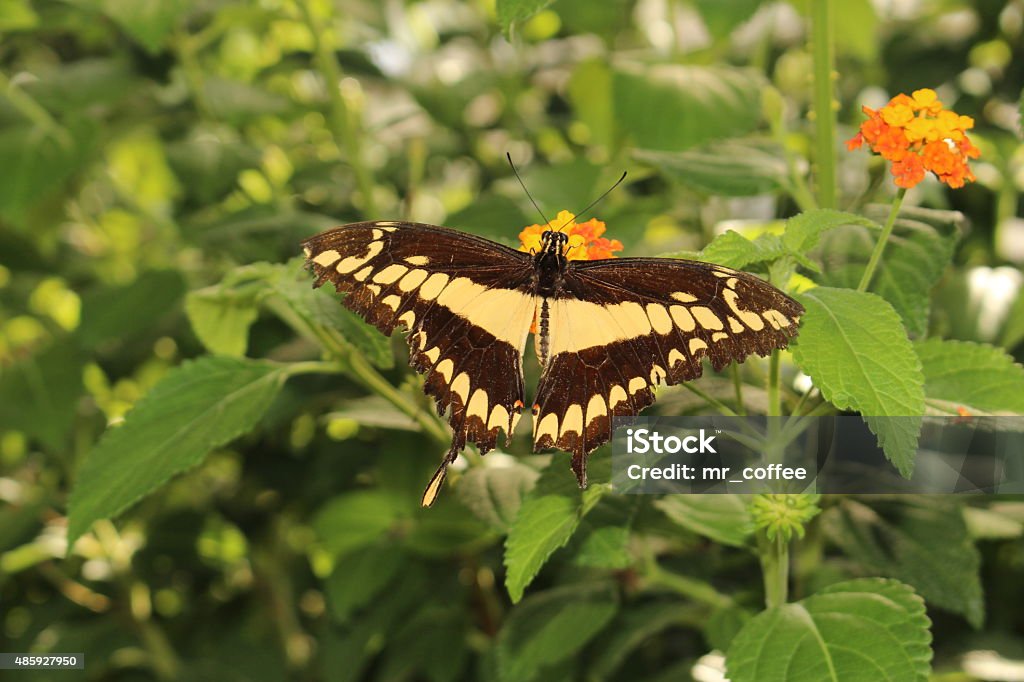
[552, 242]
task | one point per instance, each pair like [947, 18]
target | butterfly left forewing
[621, 327]
[467, 303]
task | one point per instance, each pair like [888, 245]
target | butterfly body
[607, 331]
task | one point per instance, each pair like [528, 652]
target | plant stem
[737, 384]
[714, 402]
[361, 369]
[344, 114]
[823, 53]
[876, 254]
[347, 359]
[33, 111]
[774, 393]
[697, 590]
[269, 564]
[774, 555]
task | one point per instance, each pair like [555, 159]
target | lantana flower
[585, 240]
[917, 135]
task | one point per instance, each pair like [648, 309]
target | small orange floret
[585, 240]
[918, 136]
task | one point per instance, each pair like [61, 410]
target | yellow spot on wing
[696, 345]
[460, 387]
[433, 286]
[417, 260]
[408, 318]
[434, 487]
[349, 264]
[616, 395]
[433, 354]
[719, 336]
[445, 368]
[683, 318]
[499, 417]
[775, 318]
[392, 302]
[684, 297]
[657, 374]
[412, 280]
[478, 405]
[327, 258]
[596, 408]
[389, 274]
[675, 357]
[363, 274]
[660, 320]
[573, 420]
[548, 426]
[706, 317]
[751, 319]
[637, 384]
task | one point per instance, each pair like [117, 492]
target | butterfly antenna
[523, 184]
[595, 202]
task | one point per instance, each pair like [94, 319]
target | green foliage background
[208, 470]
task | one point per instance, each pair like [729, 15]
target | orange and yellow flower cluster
[917, 135]
[585, 240]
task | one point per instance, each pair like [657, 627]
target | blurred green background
[149, 152]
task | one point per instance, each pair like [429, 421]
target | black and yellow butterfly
[607, 331]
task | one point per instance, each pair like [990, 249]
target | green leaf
[221, 320]
[630, 630]
[492, 215]
[565, 186]
[17, 15]
[803, 231]
[980, 377]
[722, 17]
[919, 251]
[39, 394]
[148, 23]
[991, 523]
[924, 543]
[289, 285]
[415, 646]
[854, 347]
[360, 576]
[550, 627]
[859, 34]
[37, 163]
[736, 251]
[495, 494]
[238, 101]
[196, 407]
[857, 631]
[723, 518]
[512, 12]
[85, 85]
[356, 519]
[1013, 328]
[736, 168]
[121, 312]
[602, 539]
[545, 522]
[590, 91]
[672, 107]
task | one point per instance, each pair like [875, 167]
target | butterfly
[607, 331]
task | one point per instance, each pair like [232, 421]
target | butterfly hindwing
[467, 303]
[621, 327]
